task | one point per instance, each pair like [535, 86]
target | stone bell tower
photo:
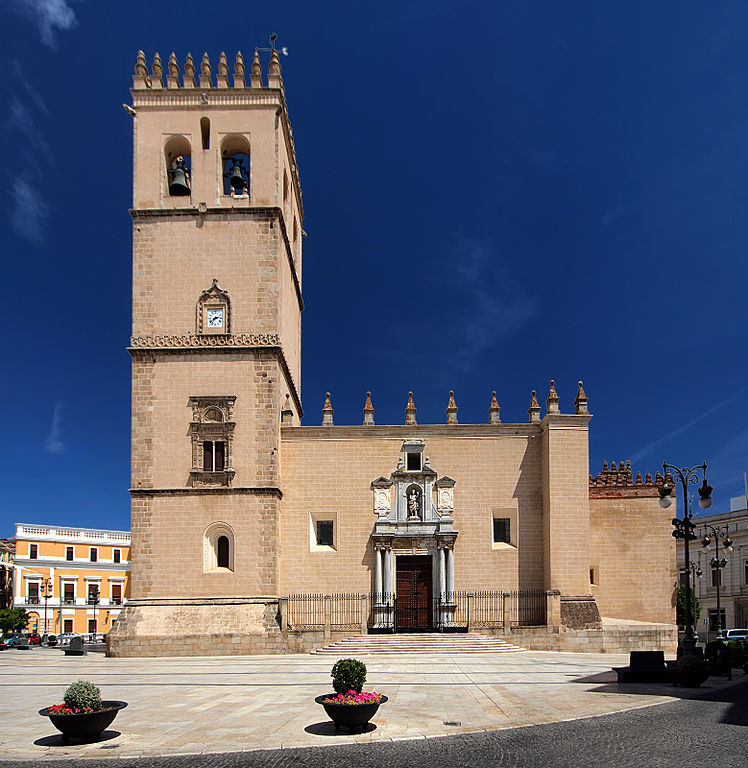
[216, 352]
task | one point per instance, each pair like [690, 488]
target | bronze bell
[236, 177]
[179, 186]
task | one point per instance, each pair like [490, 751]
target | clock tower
[216, 348]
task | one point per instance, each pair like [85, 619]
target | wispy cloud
[28, 209]
[49, 16]
[647, 449]
[53, 443]
[496, 305]
[28, 214]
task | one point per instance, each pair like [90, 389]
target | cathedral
[253, 532]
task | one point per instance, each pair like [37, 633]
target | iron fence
[455, 611]
[317, 610]
[306, 611]
[527, 608]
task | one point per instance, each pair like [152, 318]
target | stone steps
[417, 643]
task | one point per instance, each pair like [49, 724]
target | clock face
[215, 318]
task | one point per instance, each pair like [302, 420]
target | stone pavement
[233, 704]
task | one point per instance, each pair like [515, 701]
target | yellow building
[71, 579]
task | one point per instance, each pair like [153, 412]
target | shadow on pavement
[327, 728]
[714, 688]
[57, 740]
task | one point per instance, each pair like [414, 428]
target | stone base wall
[221, 627]
[605, 640]
[579, 612]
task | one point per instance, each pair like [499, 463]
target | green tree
[680, 606]
[13, 619]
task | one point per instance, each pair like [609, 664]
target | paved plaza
[235, 704]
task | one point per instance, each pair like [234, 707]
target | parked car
[740, 635]
[52, 640]
[34, 638]
[66, 637]
[11, 638]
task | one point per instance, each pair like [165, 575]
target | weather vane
[272, 48]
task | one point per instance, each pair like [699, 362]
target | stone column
[364, 615]
[442, 574]
[283, 606]
[377, 576]
[388, 570]
[450, 572]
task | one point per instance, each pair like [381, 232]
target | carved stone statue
[414, 504]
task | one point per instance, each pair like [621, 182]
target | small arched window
[205, 132]
[235, 165]
[222, 552]
[218, 548]
[178, 157]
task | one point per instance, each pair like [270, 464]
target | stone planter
[354, 717]
[86, 726]
[690, 678]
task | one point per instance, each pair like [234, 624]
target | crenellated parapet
[553, 410]
[207, 78]
[617, 481]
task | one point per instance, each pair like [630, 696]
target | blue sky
[496, 194]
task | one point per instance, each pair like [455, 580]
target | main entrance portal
[413, 606]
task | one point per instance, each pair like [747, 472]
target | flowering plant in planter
[83, 714]
[355, 697]
[352, 707]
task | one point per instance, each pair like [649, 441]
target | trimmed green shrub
[737, 653]
[83, 695]
[348, 674]
[688, 663]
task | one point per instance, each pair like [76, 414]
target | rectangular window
[213, 455]
[69, 594]
[91, 626]
[33, 592]
[745, 575]
[324, 533]
[93, 594]
[69, 553]
[116, 594]
[67, 625]
[219, 453]
[117, 556]
[94, 554]
[716, 577]
[413, 461]
[501, 530]
[33, 551]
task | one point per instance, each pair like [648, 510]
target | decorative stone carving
[382, 490]
[172, 341]
[212, 423]
[213, 305]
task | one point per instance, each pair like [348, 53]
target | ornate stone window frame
[212, 419]
[210, 547]
[213, 299]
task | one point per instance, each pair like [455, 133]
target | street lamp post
[718, 534]
[94, 600]
[46, 594]
[684, 528]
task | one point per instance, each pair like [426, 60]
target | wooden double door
[413, 606]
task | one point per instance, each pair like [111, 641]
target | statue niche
[414, 499]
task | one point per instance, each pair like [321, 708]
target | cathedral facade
[252, 533]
